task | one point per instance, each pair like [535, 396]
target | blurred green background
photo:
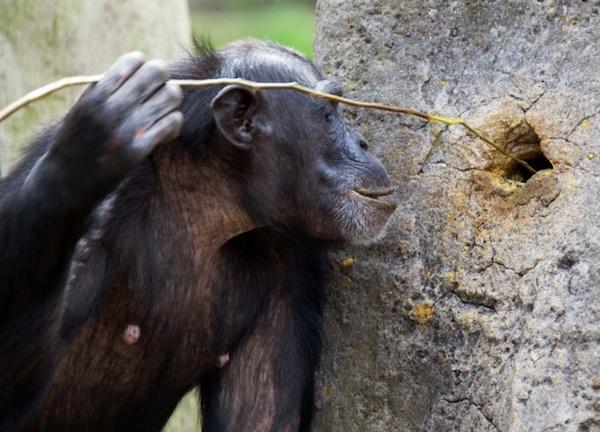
[289, 22]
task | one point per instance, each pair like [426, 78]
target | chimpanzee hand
[117, 123]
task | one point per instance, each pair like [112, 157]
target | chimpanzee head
[303, 168]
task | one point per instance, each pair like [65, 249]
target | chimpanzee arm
[44, 206]
[267, 385]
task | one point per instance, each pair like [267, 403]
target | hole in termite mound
[522, 142]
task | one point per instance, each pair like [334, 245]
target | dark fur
[121, 249]
[260, 298]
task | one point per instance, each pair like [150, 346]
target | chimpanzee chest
[158, 333]
[129, 365]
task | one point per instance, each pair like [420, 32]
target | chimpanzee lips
[375, 198]
[375, 193]
[370, 211]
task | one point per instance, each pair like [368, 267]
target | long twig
[81, 80]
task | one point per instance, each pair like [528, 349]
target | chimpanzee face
[306, 169]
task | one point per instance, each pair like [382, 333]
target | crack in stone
[519, 273]
[580, 122]
[479, 299]
[464, 299]
[463, 170]
[437, 137]
[478, 407]
[535, 101]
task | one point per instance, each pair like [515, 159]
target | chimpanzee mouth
[375, 193]
[371, 210]
[376, 198]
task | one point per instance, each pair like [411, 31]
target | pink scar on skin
[131, 334]
[222, 360]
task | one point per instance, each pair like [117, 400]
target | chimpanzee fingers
[164, 130]
[139, 121]
[118, 73]
[144, 82]
[165, 100]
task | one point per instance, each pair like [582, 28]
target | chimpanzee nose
[363, 143]
[377, 177]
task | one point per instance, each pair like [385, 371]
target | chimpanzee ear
[234, 109]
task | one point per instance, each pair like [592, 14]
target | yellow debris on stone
[422, 312]
[346, 262]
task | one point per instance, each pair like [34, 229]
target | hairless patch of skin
[131, 334]
[222, 360]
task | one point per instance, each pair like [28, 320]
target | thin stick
[81, 80]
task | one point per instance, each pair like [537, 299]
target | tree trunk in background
[44, 40]
[479, 310]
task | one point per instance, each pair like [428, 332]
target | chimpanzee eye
[330, 116]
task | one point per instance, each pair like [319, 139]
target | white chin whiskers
[361, 221]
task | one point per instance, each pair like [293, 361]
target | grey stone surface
[478, 310]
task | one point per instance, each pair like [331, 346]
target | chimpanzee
[197, 262]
